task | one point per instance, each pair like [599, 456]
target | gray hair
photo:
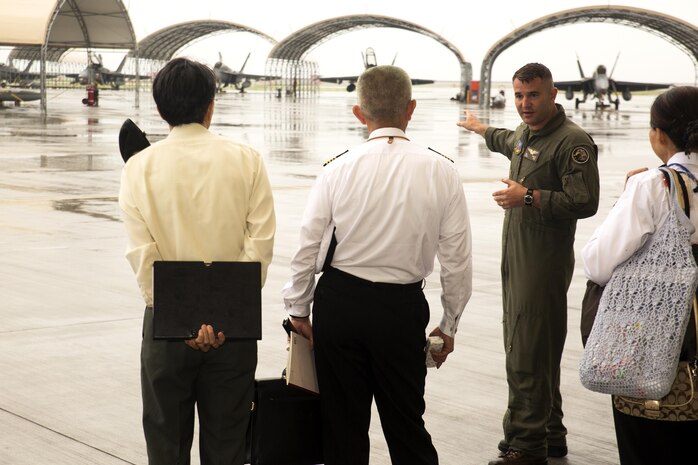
[384, 93]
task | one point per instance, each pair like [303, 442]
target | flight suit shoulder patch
[580, 154]
[441, 154]
[334, 158]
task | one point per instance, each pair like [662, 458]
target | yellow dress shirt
[196, 196]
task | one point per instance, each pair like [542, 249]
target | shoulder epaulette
[334, 158]
[441, 154]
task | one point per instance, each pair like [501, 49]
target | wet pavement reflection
[71, 311]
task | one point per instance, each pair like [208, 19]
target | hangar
[287, 58]
[162, 45]
[44, 30]
[52, 27]
[676, 31]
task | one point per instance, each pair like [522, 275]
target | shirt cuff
[449, 326]
[298, 311]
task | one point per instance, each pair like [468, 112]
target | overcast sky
[471, 26]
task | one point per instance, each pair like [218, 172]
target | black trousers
[219, 383]
[369, 343]
[653, 442]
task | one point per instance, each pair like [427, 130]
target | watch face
[528, 199]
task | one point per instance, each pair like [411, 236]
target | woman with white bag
[637, 214]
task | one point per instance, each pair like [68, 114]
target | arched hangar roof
[678, 32]
[163, 44]
[66, 24]
[33, 52]
[297, 45]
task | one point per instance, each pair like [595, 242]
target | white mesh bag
[634, 345]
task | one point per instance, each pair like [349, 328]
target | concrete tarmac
[70, 311]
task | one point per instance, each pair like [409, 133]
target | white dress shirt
[196, 196]
[396, 206]
[635, 216]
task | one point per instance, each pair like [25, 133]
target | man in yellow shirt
[195, 196]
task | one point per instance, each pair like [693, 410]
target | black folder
[225, 295]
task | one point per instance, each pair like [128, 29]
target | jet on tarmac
[225, 76]
[601, 85]
[370, 61]
[23, 78]
[97, 73]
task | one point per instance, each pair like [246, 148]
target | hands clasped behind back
[206, 339]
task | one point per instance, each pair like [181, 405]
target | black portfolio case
[225, 295]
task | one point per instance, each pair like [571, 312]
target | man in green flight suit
[553, 181]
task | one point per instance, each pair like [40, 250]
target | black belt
[367, 283]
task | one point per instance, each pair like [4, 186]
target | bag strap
[683, 199]
[684, 203]
[687, 173]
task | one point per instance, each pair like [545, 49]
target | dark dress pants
[369, 343]
[175, 378]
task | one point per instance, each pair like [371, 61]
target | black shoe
[553, 451]
[517, 457]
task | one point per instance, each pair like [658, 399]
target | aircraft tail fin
[121, 65]
[245, 62]
[579, 65]
[29, 65]
[614, 65]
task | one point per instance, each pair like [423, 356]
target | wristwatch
[528, 198]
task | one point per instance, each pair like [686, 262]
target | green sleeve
[500, 140]
[579, 175]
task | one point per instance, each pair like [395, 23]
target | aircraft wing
[246, 76]
[258, 77]
[575, 86]
[11, 95]
[130, 77]
[637, 86]
[339, 80]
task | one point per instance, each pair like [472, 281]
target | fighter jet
[600, 86]
[225, 76]
[369, 59]
[97, 73]
[11, 75]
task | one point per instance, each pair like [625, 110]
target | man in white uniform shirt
[195, 196]
[393, 207]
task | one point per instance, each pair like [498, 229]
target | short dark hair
[676, 113]
[183, 89]
[531, 71]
